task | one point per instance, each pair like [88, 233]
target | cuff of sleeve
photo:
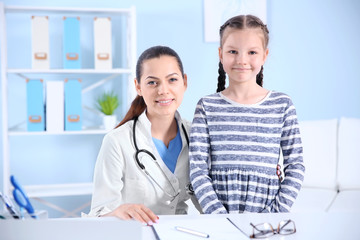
[97, 212]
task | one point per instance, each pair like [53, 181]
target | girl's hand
[134, 211]
[278, 172]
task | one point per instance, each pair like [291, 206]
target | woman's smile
[165, 102]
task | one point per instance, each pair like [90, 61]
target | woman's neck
[163, 128]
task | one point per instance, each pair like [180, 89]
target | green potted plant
[107, 103]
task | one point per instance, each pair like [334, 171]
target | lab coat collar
[143, 120]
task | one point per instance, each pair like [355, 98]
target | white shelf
[44, 133]
[64, 10]
[129, 51]
[51, 190]
[70, 71]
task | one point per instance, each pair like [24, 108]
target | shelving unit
[36, 191]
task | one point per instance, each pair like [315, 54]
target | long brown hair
[138, 105]
[242, 22]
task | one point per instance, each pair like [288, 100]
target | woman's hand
[134, 211]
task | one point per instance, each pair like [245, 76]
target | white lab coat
[119, 180]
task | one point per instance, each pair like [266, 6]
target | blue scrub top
[169, 155]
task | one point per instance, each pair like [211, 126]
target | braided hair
[241, 22]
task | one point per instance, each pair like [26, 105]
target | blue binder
[71, 41]
[73, 108]
[35, 105]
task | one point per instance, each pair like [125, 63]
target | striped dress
[234, 152]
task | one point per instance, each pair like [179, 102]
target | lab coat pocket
[134, 191]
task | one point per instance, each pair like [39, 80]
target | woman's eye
[151, 83]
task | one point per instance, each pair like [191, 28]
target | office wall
[314, 57]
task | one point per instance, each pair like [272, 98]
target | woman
[152, 129]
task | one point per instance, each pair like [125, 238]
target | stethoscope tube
[142, 167]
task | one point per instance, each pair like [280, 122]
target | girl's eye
[252, 52]
[232, 52]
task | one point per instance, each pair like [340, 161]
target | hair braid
[221, 78]
[259, 77]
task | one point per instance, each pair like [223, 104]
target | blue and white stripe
[234, 151]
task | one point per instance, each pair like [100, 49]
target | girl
[142, 168]
[239, 133]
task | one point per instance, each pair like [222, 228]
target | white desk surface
[308, 225]
[69, 228]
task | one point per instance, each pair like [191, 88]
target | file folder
[35, 105]
[73, 107]
[102, 43]
[54, 106]
[71, 43]
[40, 42]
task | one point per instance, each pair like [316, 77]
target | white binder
[40, 42]
[102, 43]
[55, 106]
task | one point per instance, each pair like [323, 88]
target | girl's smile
[241, 69]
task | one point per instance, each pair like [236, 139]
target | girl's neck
[163, 128]
[245, 93]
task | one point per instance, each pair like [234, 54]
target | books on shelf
[73, 107]
[59, 111]
[102, 43]
[35, 105]
[71, 43]
[55, 106]
[40, 42]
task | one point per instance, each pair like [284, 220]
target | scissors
[21, 198]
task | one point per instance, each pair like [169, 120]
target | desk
[308, 225]
[70, 228]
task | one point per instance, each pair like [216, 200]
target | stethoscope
[142, 167]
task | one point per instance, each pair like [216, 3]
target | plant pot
[109, 122]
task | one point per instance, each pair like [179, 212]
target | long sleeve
[108, 174]
[199, 164]
[294, 168]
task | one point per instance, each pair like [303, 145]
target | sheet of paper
[217, 228]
